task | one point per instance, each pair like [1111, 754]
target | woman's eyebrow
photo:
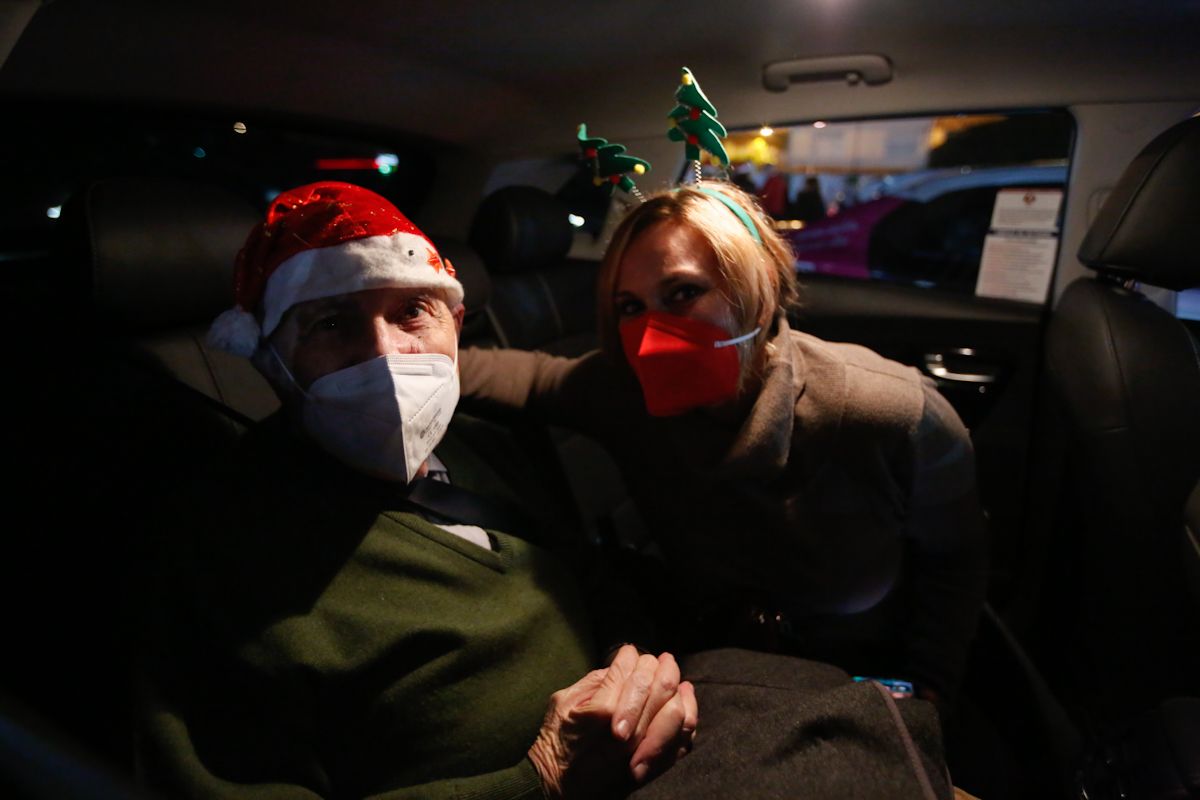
[683, 276]
[683, 268]
[670, 280]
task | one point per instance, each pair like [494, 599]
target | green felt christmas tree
[694, 121]
[609, 163]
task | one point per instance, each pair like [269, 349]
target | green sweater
[312, 639]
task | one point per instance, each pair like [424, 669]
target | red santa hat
[321, 240]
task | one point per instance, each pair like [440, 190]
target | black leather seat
[543, 300]
[160, 253]
[1127, 374]
[1190, 545]
[121, 402]
[540, 300]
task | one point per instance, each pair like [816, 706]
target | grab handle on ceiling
[867, 68]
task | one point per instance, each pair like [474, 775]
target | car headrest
[1146, 230]
[477, 286]
[161, 251]
[521, 228]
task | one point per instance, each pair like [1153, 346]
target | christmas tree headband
[737, 210]
[609, 163]
[693, 122]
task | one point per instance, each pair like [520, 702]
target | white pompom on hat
[322, 240]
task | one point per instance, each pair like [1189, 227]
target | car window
[57, 150]
[923, 201]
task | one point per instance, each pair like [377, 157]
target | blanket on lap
[774, 726]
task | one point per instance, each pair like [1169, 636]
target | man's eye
[329, 322]
[414, 310]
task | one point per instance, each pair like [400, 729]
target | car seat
[540, 300]
[120, 399]
[159, 253]
[1127, 375]
[543, 300]
[1190, 545]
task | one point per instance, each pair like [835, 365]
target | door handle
[937, 365]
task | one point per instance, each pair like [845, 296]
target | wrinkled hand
[575, 754]
[615, 727]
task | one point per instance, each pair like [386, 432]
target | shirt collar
[437, 469]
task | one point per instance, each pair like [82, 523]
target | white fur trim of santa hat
[400, 260]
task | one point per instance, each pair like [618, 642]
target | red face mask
[681, 363]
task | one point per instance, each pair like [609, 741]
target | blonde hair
[757, 280]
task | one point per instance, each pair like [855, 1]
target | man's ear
[459, 312]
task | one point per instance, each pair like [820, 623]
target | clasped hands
[615, 728]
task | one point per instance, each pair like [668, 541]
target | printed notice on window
[1019, 251]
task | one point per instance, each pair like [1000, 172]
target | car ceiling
[512, 78]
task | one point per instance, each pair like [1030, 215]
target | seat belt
[469, 508]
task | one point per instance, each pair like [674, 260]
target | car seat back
[161, 255]
[120, 401]
[540, 300]
[543, 300]
[1190, 545]
[1127, 374]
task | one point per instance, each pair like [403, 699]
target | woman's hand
[651, 708]
[615, 727]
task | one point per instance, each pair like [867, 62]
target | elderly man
[320, 630]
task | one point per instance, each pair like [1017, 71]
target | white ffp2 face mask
[384, 416]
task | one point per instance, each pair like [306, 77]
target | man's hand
[575, 753]
[615, 726]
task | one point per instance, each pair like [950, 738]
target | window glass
[51, 152]
[917, 201]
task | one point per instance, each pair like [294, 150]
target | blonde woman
[808, 496]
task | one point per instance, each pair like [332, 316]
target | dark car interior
[1082, 680]
[165, 401]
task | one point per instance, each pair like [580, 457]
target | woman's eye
[628, 307]
[684, 294]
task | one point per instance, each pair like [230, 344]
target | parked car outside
[924, 228]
